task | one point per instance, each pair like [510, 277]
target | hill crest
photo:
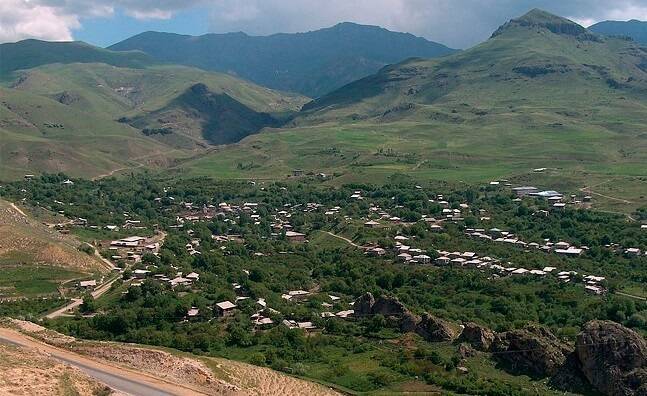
[312, 63]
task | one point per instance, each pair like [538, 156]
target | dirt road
[345, 240]
[100, 291]
[17, 209]
[121, 379]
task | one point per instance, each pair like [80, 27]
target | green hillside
[31, 53]
[66, 117]
[202, 116]
[311, 63]
[542, 92]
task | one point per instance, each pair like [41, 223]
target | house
[524, 191]
[180, 281]
[88, 284]
[307, 326]
[404, 257]
[296, 237]
[571, 251]
[192, 312]
[193, 276]
[345, 314]
[298, 172]
[225, 308]
[371, 224]
[376, 252]
[632, 252]
[443, 260]
[422, 259]
[594, 289]
[140, 273]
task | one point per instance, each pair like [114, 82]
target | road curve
[118, 378]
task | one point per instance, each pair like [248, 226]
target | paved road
[121, 379]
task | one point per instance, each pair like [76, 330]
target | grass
[429, 152]
[87, 139]
[33, 280]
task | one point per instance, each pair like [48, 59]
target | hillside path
[17, 209]
[631, 296]
[589, 191]
[345, 240]
[121, 379]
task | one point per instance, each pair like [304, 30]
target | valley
[348, 210]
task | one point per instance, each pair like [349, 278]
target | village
[132, 254]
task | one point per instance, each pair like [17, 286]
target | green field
[33, 280]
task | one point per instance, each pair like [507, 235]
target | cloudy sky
[457, 23]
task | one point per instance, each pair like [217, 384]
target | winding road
[118, 378]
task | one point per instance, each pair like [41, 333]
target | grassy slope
[472, 117]
[31, 53]
[92, 143]
[34, 260]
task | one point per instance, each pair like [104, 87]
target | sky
[456, 23]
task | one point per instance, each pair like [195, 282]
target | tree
[89, 305]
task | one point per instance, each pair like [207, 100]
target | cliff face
[533, 350]
[613, 358]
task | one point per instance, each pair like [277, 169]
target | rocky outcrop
[364, 304]
[432, 328]
[613, 358]
[389, 306]
[533, 350]
[409, 322]
[428, 327]
[479, 337]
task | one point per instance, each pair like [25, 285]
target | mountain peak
[537, 18]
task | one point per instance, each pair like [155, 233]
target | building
[293, 236]
[422, 259]
[225, 308]
[298, 172]
[88, 284]
[371, 224]
[524, 191]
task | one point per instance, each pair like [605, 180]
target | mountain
[311, 63]
[538, 60]
[637, 30]
[204, 116]
[73, 116]
[542, 92]
[31, 53]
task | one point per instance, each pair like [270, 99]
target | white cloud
[20, 19]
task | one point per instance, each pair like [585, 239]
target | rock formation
[533, 350]
[613, 358]
[479, 337]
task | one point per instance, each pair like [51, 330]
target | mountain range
[636, 30]
[541, 92]
[312, 63]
